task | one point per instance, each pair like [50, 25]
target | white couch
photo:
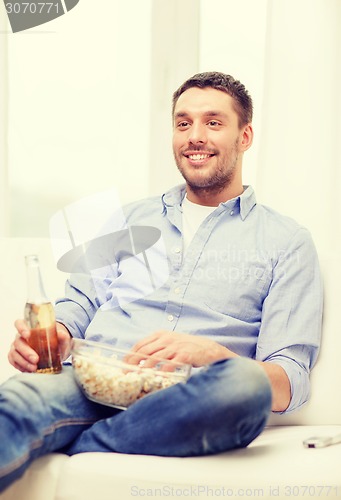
[275, 465]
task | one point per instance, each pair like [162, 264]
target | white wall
[233, 39]
[300, 153]
[287, 52]
[4, 199]
[78, 109]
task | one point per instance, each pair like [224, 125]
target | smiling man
[241, 303]
[208, 142]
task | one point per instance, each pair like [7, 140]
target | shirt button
[232, 212]
[177, 290]
[177, 250]
[170, 317]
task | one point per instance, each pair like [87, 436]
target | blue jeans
[220, 408]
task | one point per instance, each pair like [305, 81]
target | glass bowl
[117, 377]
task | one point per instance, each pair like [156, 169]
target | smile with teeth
[198, 156]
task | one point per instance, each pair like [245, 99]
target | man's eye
[183, 124]
[213, 123]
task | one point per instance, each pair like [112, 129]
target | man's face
[207, 140]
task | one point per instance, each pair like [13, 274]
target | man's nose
[197, 134]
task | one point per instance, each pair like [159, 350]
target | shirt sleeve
[77, 308]
[290, 330]
[85, 294]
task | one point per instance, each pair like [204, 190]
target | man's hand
[198, 351]
[23, 357]
[183, 348]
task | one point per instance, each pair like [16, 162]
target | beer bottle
[40, 318]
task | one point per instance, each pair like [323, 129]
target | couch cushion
[39, 481]
[275, 465]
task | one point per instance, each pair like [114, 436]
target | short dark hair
[225, 83]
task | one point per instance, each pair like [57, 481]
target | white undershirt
[192, 216]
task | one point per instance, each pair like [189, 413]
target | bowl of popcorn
[117, 377]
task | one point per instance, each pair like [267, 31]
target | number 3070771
[32, 8]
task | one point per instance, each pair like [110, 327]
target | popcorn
[119, 386]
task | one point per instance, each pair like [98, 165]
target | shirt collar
[242, 204]
[174, 196]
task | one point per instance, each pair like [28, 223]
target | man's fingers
[64, 340]
[24, 363]
[21, 355]
[64, 343]
[154, 342]
[144, 342]
[22, 328]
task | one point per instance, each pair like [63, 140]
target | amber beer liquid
[39, 316]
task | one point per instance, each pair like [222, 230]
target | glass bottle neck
[35, 288]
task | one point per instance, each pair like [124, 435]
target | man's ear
[246, 137]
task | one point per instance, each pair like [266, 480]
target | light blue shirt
[250, 280]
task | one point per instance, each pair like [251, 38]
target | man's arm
[199, 351]
[289, 337]
[280, 385]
